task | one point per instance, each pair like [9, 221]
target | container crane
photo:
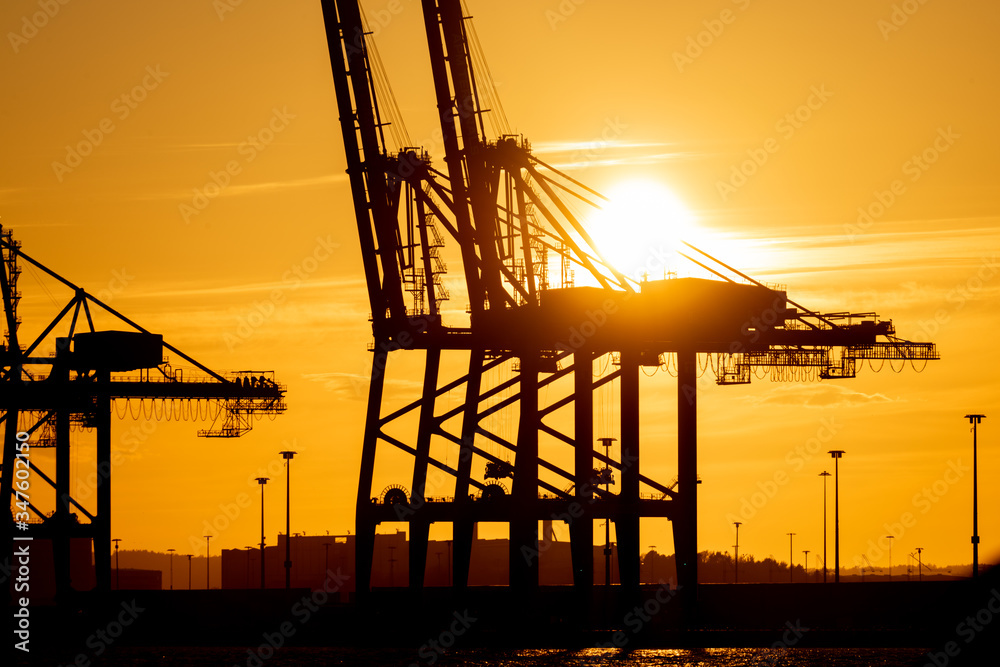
[507, 212]
[43, 397]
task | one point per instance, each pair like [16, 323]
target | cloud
[354, 386]
[817, 396]
[581, 154]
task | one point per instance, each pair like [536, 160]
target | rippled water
[353, 657]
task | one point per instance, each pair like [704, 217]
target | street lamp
[836, 454]
[806, 563]
[824, 475]
[118, 583]
[607, 524]
[975, 421]
[189, 571]
[262, 481]
[890, 537]
[920, 572]
[791, 557]
[288, 518]
[736, 564]
[171, 552]
[208, 561]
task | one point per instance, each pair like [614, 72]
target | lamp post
[118, 583]
[189, 571]
[920, 572]
[262, 481]
[975, 421]
[288, 518]
[736, 563]
[836, 454]
[171, 552]
[805, 563]
[890, 538]
[824, 475]
[791, 555]
[607, 524]
[208, 561]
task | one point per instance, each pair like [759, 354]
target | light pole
[890, 537]
[262, 481]
[920, 572]
[824, 475]
[208, 561]
[836, 454]
[805, 562]
[736, 564]
[607, 524]
[118, 583]
[791, 555]
[975, 421]
[171, 552]
[288, 518]
[189, 571]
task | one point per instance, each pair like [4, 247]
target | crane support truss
[536, 350]
[84, 375]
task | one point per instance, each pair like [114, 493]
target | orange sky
[681, 94]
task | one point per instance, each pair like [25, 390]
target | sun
[639, 230]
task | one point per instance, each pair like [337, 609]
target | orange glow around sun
[640, 229]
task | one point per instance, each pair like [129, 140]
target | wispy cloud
[581, 154]
[817, 396]
[355, 385]
[173, 292]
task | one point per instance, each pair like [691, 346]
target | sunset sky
[871, 137]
